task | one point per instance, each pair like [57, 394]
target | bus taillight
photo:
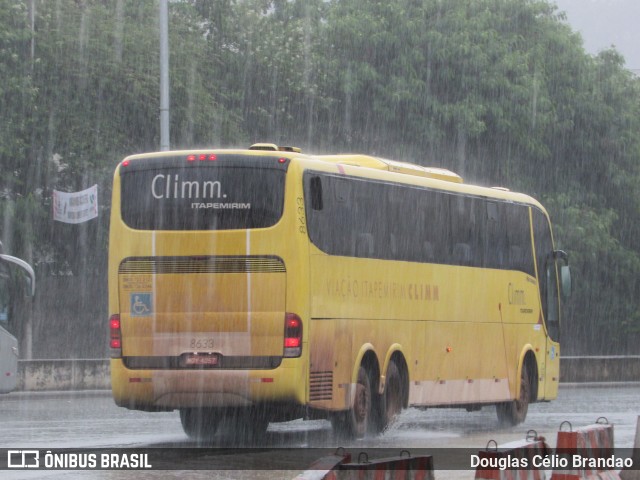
[292, 335]
[116, 337]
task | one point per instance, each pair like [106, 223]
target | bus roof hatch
[393, 166]
[272, 147]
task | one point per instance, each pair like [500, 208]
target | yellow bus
[258, 285]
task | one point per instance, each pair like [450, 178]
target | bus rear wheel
[244, 426]
[394, 397]
[515, 412]
[357, 421]
[199, 423]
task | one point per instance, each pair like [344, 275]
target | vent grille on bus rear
[230, 264]
[321, 386]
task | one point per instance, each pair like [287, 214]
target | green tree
[17, 102]
[499, 90]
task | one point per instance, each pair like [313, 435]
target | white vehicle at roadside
[13, 271]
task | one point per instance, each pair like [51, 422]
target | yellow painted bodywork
[232, 314]
[455, 326]
[461, 330]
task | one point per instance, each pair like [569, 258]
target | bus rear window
[203, 198]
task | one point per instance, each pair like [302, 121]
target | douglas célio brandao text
[574, 461]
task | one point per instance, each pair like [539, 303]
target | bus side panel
[523, 326]
[449, 328]
[461, 363]
[462, 359]
[330, 368]
[552, 371]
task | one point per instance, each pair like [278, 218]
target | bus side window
[520, 254]
[341, 189]
[465, 231]
[399, 235]
[495, 246]
[364, 245]
[428, 252]
[462, 254]
[315, 188]
[433, 227]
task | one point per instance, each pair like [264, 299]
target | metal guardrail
[94, 374]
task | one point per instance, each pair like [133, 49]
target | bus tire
[198, 423]
[515, 412]
[259, 425]
[244, 426]
[394, 396]
[357, 421]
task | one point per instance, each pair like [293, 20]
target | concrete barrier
[591, 444]
[618, 368]
[93, 374]
[634, 474]
[77, 374]
[513, 455]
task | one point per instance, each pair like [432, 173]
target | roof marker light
[125, 163]
[191, 158]
[282, 160]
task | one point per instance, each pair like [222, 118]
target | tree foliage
[500, 91]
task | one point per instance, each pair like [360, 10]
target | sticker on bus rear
[141, 304]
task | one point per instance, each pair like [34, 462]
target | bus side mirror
[565, 273]
[30, 286]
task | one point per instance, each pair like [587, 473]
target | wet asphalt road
[91, 420]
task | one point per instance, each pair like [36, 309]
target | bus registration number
[200, 359]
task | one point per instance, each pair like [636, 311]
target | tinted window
[467, 230]
[202, 198]
[495, 242]
[519, 254]
[362, 218]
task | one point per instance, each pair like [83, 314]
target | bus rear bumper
[171, 389]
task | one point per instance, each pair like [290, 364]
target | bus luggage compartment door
[203, 312]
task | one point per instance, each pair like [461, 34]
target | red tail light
[202, 157]
[292, 335]
[115, 336]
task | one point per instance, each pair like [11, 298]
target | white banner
[76, 207]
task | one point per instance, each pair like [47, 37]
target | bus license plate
[200, 359]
